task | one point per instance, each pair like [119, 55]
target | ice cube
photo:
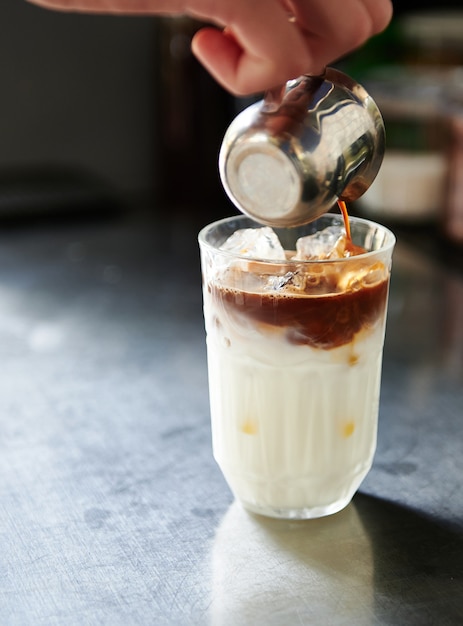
[362, 275]
[256, 243]
[276, 283]
[329, 243]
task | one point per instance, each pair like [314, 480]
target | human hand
[256, 45]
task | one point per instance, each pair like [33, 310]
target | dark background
[404, 6]
[99, 111]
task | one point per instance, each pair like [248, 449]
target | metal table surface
[112, 509]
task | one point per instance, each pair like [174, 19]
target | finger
[259, 49]
[333, 29]
[239, 71]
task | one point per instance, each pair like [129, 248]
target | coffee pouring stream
[286, 161]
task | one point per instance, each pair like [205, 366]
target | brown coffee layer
[321, 321]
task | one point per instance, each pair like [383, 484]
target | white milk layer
[294, 427]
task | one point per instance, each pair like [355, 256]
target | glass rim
[389, 241]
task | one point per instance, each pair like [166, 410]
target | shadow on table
[375, 562]
[418, 564]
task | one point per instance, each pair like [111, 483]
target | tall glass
[294, 359]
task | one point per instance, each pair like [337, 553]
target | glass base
[298, 514]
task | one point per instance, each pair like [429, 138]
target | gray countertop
[112, 509]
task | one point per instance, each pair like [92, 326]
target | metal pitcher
[286, 164]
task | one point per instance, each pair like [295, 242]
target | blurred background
[100, 115]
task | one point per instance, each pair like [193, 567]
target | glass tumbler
[294, 353]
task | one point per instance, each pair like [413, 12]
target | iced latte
[295, 323]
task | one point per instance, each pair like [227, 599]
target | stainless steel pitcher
[286, 164]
